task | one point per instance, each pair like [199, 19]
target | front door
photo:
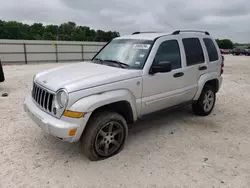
[162, 90]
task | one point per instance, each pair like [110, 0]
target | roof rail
[138, 32]
[179, 31]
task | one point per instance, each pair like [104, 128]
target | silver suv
[130, 77]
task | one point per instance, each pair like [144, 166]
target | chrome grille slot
[34, 92]
[50, 102]
[38, 95]
[45, 102]
[43, 98]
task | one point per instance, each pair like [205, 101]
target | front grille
[43, 98]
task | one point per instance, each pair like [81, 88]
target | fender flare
[202, 81]
[90, 103]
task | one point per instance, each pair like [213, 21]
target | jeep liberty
[130, 77]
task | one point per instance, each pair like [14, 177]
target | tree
[66, 31]
[37, 31]
[225, 43]
[51, 29]
[48, 36]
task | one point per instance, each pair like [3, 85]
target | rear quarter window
[211, 49]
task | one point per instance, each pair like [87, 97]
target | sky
[222, 18]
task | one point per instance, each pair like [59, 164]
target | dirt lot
[167, 149]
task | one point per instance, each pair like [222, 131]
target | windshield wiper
[100, 60]
[121, 64]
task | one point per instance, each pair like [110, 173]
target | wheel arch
[105, 100]
[122, 107]
[214, 83]
[211, 79]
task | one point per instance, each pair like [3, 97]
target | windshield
[126, 51]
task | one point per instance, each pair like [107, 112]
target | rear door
[195, 64]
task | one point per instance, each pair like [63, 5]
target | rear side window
[169, 51]
[193, 50]
[211, 49]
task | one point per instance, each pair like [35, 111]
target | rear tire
[104, 136]
[206, 101]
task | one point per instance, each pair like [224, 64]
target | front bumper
[53, 126]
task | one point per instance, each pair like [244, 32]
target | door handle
[179, 74]
[203, 68]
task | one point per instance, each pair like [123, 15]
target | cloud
[223, 18]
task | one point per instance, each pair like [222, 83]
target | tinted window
[169, 51]
[211, 49]
[193, 50]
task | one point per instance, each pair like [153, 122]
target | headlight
[62, 98]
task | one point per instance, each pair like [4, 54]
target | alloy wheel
[208, 101]
[109, 138]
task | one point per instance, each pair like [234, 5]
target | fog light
[54, 111]
[72, 132]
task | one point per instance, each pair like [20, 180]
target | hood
[83, 75]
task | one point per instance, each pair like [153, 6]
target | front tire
[105, 135]
[206, 101]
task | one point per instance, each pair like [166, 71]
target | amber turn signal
[72, 132]
[73, 114]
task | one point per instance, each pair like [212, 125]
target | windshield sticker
[137, 62]
[142, 55]
[141, 46]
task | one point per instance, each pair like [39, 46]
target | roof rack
[138, 32]
[178, 32]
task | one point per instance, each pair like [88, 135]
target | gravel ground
[167, 149]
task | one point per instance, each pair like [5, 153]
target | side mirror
[163, 66]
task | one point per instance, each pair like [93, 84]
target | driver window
[169, 51]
